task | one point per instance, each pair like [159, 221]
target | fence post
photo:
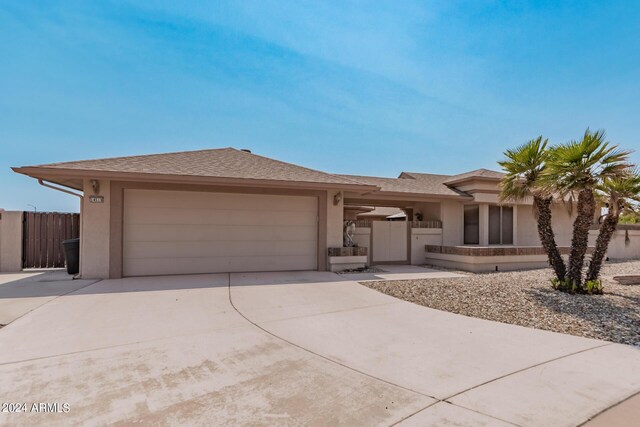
[10, 241]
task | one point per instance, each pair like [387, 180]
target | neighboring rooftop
[382, 211]
[426, 184]
[476, 174]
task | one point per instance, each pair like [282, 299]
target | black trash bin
[72, 255]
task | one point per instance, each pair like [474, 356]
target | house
[228, 210]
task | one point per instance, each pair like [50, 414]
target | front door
[389, 240]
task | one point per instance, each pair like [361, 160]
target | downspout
[81, 197]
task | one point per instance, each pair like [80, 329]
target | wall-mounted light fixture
[337, 198]
[95, 184]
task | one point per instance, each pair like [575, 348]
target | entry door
[389, 241]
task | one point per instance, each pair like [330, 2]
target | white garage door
[182, 232]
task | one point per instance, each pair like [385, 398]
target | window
[471, 224]
[500, 225]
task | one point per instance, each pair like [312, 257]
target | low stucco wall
[478, 264]
[10, 241]
[362, 238]
[625, 243]
[420, 237]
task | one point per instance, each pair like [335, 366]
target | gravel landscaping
[526, 298]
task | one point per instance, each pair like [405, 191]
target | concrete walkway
[294, 349]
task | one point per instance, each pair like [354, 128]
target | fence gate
[42, 236]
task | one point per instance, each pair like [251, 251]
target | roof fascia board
[469, 179]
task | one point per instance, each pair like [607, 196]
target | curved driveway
[306, 348]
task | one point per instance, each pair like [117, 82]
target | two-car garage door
[182, 232]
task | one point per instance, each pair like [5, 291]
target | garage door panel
[145, 250]
[282, 217]
[227, 201]
[175, 232]
[188, 232]
[142, 267]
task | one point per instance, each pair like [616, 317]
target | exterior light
[95, 184]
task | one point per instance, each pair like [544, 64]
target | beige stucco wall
[421, 237]
[452, 223]
[10, 241]
[335, 214]
[620, 247]
[362, 238]
[528, 229]
[487, 263]
[94, 233]
[431, 211]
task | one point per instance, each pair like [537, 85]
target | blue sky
[358, 87]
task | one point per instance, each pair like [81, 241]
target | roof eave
[475, 178]
[45, 172]
[402, 194]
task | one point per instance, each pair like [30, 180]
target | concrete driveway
[304, 348]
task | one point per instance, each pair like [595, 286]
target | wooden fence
[42, 236]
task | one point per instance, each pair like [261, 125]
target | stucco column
[515, 225]
[10, 241]
[484, 224]
[335, 215]
[95, 231]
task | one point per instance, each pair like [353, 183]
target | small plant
[593, 287]
[589, 287]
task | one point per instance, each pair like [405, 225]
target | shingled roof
[213, 163]
[421, 184]
[476, 174]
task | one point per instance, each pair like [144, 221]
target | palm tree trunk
[542, 207]
[607, 228]
[580, 239]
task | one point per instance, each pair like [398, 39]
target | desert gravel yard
[526, 298]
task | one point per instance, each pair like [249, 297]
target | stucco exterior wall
[421, 237]
[10, 241]
[528, 229]
[95, 233]
[452, 223]
[430, 211]
[362, 238]
[335, 215]
[625, 244]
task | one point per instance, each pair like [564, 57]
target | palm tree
[619, 192]
[523, 166]
[578, 167]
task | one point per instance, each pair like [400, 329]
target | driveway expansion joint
[4, 327]
[90, 350]
[446, 399]
[319, 355]
[306, 316]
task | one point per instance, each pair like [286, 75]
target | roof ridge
[426, 173]
[364, 176]
[295, 165]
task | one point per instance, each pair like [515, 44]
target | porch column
[484, 224]
[515, 225]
